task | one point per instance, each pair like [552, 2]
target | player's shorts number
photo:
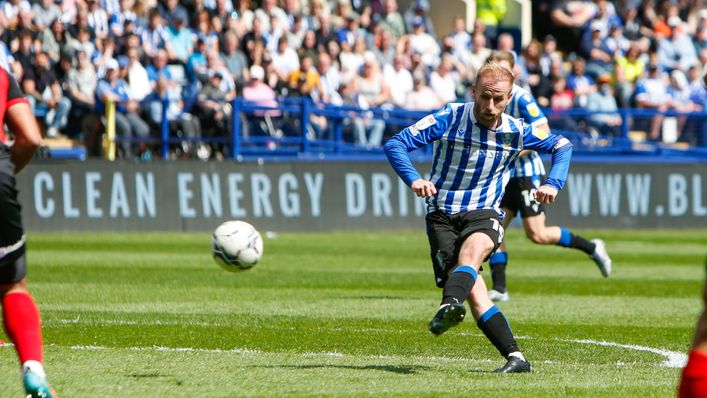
[529, 197]
[498, 228]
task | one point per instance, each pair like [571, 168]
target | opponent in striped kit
[527, 176]
[475, 145]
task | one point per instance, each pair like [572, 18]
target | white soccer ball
[236, 246]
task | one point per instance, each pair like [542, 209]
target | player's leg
[498, 262]
[693, 382]
[496, 328]
[538, 232]
[20, 314]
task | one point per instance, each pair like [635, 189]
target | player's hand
[423, 188]
[545, 194]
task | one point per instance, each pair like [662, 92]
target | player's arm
[561, 150]
[425, 131]
[20, 120]
[531, 113]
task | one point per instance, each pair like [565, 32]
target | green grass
[345, 315]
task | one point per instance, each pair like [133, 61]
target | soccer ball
[236, 246]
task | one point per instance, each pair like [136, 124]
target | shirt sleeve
[14, 93]
[427, 130]
[560, 148]
[530, 110]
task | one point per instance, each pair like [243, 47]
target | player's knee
[540, 237]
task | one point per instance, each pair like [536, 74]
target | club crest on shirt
[505, 138]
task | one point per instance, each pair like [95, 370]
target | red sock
[21, 319]
[694, 377]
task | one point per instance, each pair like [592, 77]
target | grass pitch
[345, 315]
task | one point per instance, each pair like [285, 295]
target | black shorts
[446, 234]
[12, 247]
[519, 197]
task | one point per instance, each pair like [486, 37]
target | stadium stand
[302, 78]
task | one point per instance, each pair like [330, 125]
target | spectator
[562, 99]
[491, 12]
[245, 13]
[309, 47]
[212, 109]
[580, 82]
[56, 41]
[180, 123]
[385, 50]
[137, 77]
[351, 61]
[173, 13]
[422, 97]
[549, 54]
[83, 43]
[330, 80]
[391, 20]
[603, 109]
[97, 19]
[45, 12]
[474, 59]
[399, 80]
[128, 123]
[215, 65]
[270, 10]
[651, 93]
[599, 60]
[629, 69]
[443, 81]
[568, 19]
[43, 92]
[304, 81]
[698, 92]
[11, 11]
[180, 37]
[418, 12]
[158, 67]
[26, 51]
[196, 64]
[284, 60]
[460, 37]
[204, 30]
[676, 51]
[424, 43]
[373, 92]
[538, 82]
[81, 87]
[259, 93]
[234, 59]
[679, 94]
[155, 36]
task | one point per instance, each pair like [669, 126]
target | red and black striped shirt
[10, 94]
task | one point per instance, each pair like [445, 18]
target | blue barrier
[289, 131]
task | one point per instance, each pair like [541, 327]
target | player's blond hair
[496, 72]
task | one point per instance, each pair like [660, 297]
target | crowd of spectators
[194, 57]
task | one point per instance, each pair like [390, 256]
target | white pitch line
[672, 359]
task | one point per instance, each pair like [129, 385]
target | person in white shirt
[399, 80]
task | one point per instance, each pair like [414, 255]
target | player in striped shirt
[525, 179]
[475, 145]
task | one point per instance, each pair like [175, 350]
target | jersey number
[498, 228]
[529, 197]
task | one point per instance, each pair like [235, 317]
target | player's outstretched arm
[20, 120]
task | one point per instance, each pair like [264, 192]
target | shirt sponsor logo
[533, 110]
[540, 133]
[425, 122]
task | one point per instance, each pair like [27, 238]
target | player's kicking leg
[538, 232]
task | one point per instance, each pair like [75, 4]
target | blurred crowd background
[194, 57]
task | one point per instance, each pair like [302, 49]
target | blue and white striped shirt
[472, 163]
[523, 106]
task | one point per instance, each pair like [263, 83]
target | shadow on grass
[386, 368]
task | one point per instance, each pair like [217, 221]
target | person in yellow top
[629, 68]
[305, 81]
[491, 12]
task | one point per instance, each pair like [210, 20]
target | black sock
[459, 285]
[498, 263]
[568, 239]
[497, 329]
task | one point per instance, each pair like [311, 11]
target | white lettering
[697, 208]
[580, 194]
[287, 193]
[380, 194]
[185, 195]
[609, 191]
[403, 193]
[211, 195]
[260, 188]
[314, 186]
[677, 195]
[145, 195]
[93, 194]
[118, 197]
[355, 195]
[43, 181]
[69, 210]
[235, 195]
[638, 192]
